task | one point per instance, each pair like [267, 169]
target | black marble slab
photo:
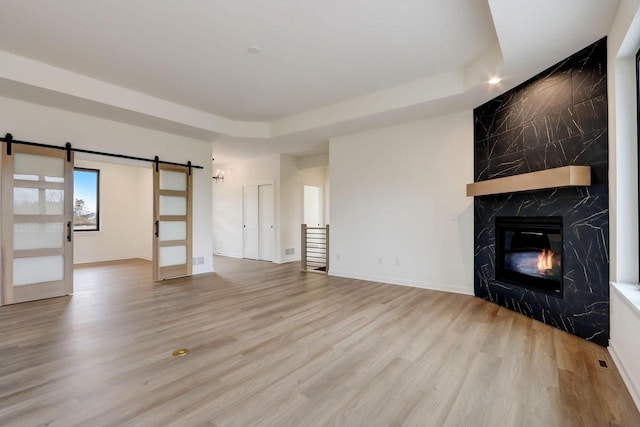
[557, 118]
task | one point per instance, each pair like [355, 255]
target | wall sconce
[219, 176]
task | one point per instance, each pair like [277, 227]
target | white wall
[313, 161]
[227, 213]
[227, 200]
[291, 208]
[399, 213]
[38, 123]
[126, 210]
[625, 344]
[326, 191]
[288, 175]
[622, 43]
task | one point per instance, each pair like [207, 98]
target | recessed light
[254, 50]
[494, 80]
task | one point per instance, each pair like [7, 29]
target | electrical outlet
[397, 261]
[289, 251]
[380, 260]
[337, 257]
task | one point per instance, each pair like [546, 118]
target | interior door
[37, 223]
[250, 223]
[312, 200]
[265, 222]
[172, 210]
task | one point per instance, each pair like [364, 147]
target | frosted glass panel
[54, 204]
[173, 255]
[170, 180]
[33, 201]
[171, 205]
[38, 168]
[38, 235]
[173, 230]
[27, 271]
[26, 201]
[26, 177]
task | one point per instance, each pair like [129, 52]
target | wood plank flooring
[271, 346]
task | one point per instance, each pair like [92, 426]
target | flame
[545, 260]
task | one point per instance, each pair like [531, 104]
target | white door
[266, 215]
[312, 206]
[37, 223]
[250, 230]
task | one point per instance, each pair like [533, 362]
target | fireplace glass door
[529, 252]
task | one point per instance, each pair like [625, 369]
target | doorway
[258, 222]
[125, 213]
[312, 200]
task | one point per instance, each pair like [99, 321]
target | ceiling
[324, 68]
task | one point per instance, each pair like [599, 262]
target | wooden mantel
[566, 176]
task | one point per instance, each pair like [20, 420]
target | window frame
[637, 64]
[97, 172]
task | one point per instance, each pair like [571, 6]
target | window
[86, 199]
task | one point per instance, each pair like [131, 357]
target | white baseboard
[105, 259]
[634, 389]
[198, 270]
[228, 254]
[283, 260]
[287, 259]
[403, 282]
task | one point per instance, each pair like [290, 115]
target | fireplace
[529, 252]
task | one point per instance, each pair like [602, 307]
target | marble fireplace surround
[556, 119]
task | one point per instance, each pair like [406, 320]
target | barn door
[172, 205]
[37, 223]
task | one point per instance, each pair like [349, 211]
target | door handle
[157, 233]
[68, 231]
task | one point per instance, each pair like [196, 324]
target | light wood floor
[273, 346]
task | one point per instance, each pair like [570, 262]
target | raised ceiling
[324, 68]
[194, 52]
